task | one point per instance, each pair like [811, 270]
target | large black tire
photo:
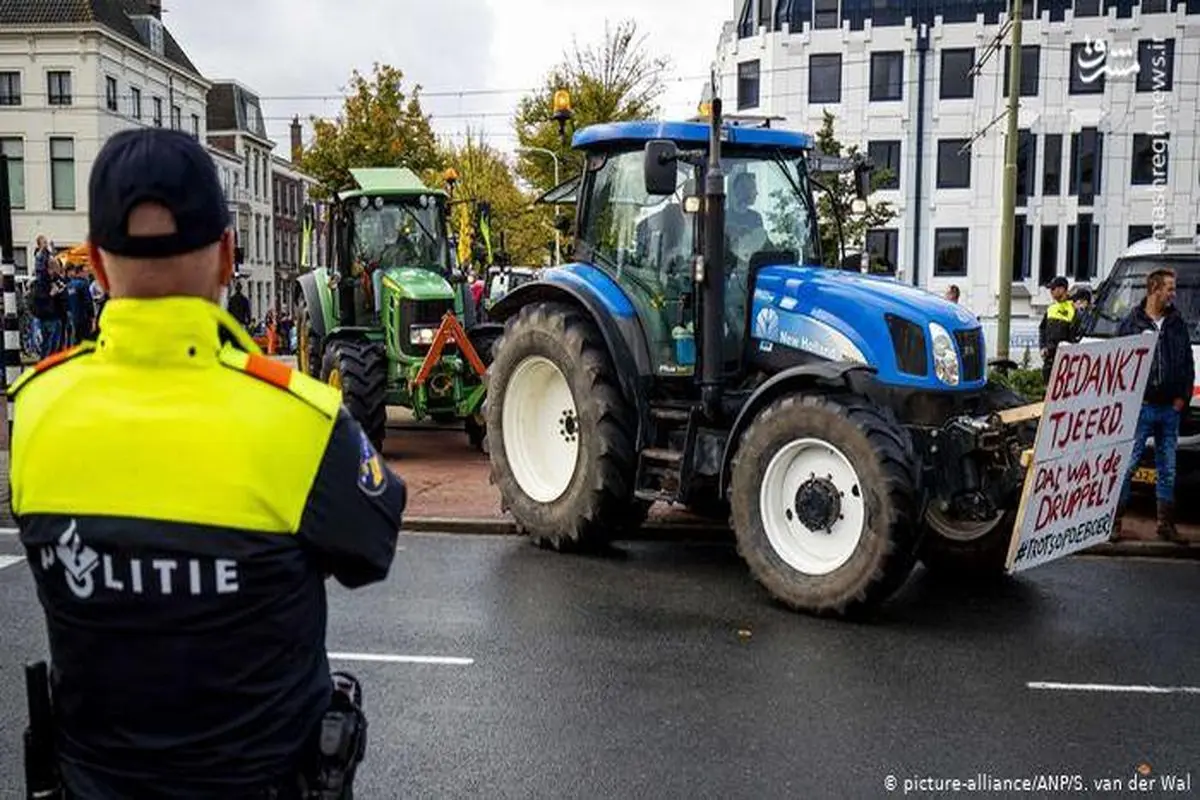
[308, 344]
[361, 368]
[484, 341]
[598, 503]
[974, 551]
[881, 552]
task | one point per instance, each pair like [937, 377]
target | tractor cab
[391, 228]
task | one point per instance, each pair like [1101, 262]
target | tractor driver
[746, 235]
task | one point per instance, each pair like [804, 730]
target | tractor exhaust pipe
[712, 355]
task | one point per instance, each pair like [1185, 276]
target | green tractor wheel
[359, 370]
[308, 343]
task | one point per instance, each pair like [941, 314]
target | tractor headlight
[945, 357]
[421, 335]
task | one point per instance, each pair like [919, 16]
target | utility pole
[1008, 214]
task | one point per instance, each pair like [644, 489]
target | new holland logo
[766, 324]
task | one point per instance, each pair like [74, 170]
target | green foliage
[840, 196]
[380, 126]
[484, 175]
[1025, 382]
[614, 81]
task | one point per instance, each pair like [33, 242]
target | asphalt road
[668, 673]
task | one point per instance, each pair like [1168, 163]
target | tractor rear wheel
[968, 549]
[824, 497]
[561, 436]
[359, 369]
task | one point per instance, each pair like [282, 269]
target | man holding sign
[1168, 392]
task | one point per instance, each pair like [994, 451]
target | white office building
[72, 75]
[1108, 145]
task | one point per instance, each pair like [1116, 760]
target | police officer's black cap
[1058, 283]
[162, 166]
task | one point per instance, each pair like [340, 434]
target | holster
[341, 742]
[42, 778]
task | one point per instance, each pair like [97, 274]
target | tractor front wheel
[308, 343]
[560, 434]
[359, 369]
[824, 498]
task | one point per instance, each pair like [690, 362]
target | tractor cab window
[645, 242]
[407, 234]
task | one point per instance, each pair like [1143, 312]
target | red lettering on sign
[1101, 376]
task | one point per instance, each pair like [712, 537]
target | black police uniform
[182, 499]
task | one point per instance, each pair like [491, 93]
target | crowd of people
[65, 301]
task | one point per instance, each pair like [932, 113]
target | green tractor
[390, 324]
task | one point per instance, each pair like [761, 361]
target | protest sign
[1084, 442]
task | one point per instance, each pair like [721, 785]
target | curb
[669, 531]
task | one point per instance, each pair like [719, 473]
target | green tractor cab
[384, 324]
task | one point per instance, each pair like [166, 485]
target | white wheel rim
[541, 429]
[812, 552]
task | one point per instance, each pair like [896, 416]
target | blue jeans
[1161, 422]
[52, 336]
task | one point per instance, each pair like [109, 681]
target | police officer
[1060, 324]
[182, 499]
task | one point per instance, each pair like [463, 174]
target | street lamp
[557, 233]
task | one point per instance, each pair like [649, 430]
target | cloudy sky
[298, 54]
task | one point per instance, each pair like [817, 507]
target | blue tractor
[695, 352]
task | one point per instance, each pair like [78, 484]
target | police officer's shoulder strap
[320, 396]
[49, 363]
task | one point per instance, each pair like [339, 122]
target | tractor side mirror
[661, 167]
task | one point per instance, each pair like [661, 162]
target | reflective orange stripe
[269, 370]
[57, 358]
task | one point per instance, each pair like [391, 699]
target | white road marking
[395, 659]
[1105, 687]
[8, 561]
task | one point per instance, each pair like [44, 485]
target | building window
[825, 78]
[950, 252]
[196, 125]
[1026, 165]
[135, 102]
[887, 76]
[1022, 250]
[1156, 64]
[1087, 8]
[59, 88]
[1087, 147]
[62, 174]
[256, 174]
[746, 21]
[1150, 157]
[1048, 262]
[21, 260]
[825, 14]
[158, 112]
[1154, 6]
[176, 118]
[1052, 176]
[954, 164]
[1081, 248]
[957, 81]
[883, 247]
[1089, 80]
[10, 88]
[886, 156]
[110, 93]
[747, 87]
[15, 150]
[1031, 68]
[1139, 232]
